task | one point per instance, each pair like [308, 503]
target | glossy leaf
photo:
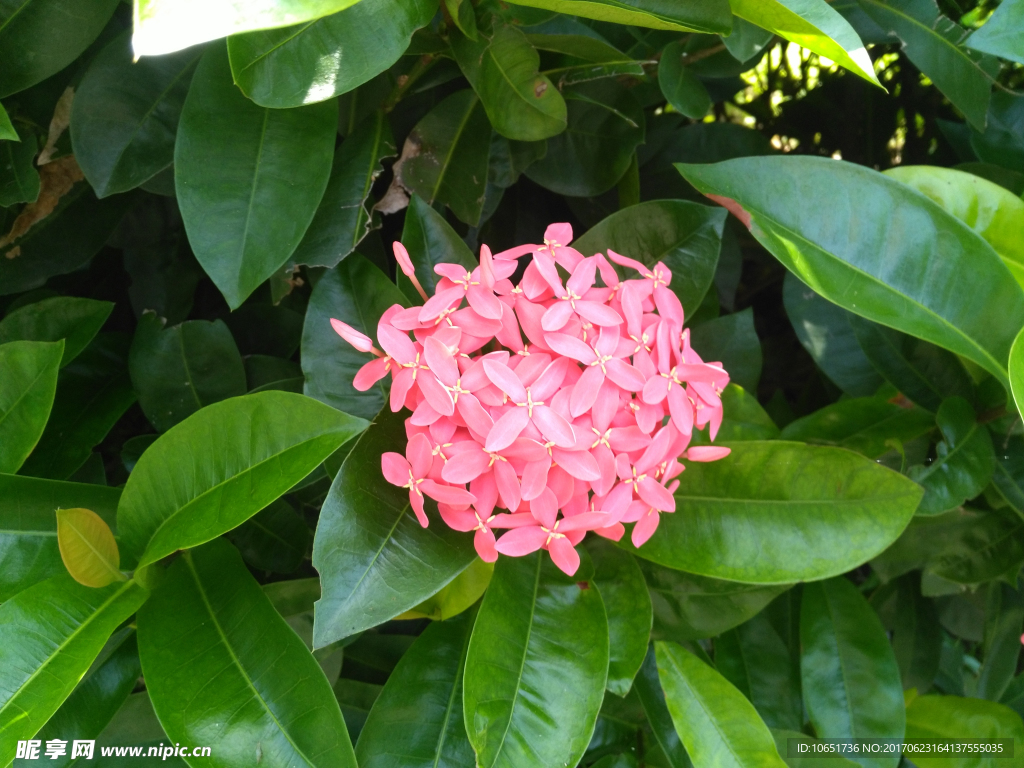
[932, 43]
[715, 722]
[444, 159]
[954, 717]
[862, 424]
[685, 236]
[731, 340]
[76, 320]
[1017, 371]
[87, 548]
[345, 214]
[26, 396]
[28, 526]
[58, 628]
[211, 633]
[357, 293]
[179, 370]
[274, 539]
[684, 91]
[39, 38]
[417, 720]
[851, 681]
[430, 241]
[534, 616]
[685, 15]
[777, 512]
[125, 115]
[964, 461]
[241, 455]
[912, 278]
[247, 213]
[456, 596]
[1003, 34]
[19, 180]
[366, 528]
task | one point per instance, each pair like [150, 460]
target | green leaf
[362, 542]
[75, 320]
[747, 40]
[26, 395]
[430, 241]
[455, 597]
[87, 548]
[1017, 371]
[862, 424]
[824, 330]
[1003, 34]
[291, 598]
[263, 372]
[917, 635]
[1004, 619]
[964, 462]
[220, 467]
[181, 369]
[605, 126]
[417, 719]
[19, 180]
[782, 741]
[851, 681]
[125, 115]
[464, 16]
[732, 341]
[49, 636]
[535, 619]
[990, 210]
[317, 60]
[685, 236]
[1001, 142]
[356, 699]
[652, 699]
[521, 103]
[677, 15]
[814, 25]
[274, 539]
[357, 293]
[28, 526]
[716, 724]
[1009, 473]
[135, 723]
[211, 634]
[755, 659]
[684, 91]
[163, 26]
[776, 512]
[911, 276]
[932, 43]
[925, 373]
[444, 160]
[247, 212]
[953, 717]
[744, 418]
[345, 215]
[690, 607]
[628, 605]
[39, 38]
[7, 132]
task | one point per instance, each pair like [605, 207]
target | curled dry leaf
[55, 180]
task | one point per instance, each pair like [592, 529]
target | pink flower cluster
[561, 433]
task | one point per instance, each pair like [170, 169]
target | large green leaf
[416, 721]
[964, 463]
[1003, 34]
[521, 103]
[317, 60]
[444, 159]
[851, 681]
[357, 293]
[274, 539]
[220, 467]
[953, 717]
[776, 512]
[162, 26]
[367, 530]
[990, 210]
[49, 636]
[75, 320]
[345, 214]
[1017, 371]
[40, 37]
[19, 180]
[430, 241]
[210, 634]
[681, 15]
[932, 43]
[814, 25]
[862, 424]
[247, 212]
[125, 115]
[28, 526]
[534, 620]
[685, 236]
[179, 370]
[911, 275]
[732, 341]
[27, 388]
[715, 722]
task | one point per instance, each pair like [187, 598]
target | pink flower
[548, 400]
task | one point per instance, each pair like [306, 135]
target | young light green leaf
[533, 616]
[19, 179]
[27, 389]
[430, 241]
[913, 277]
[677, 15]
[246, 213]
[87, 548]
[684, 91]
[456, 596]
[76, 320]
[269, 693]
[1003, 34]
[366, 527]
[242, 454]
[862, 424]
[953, 717]
[49, 636]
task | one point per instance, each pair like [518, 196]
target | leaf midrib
[25, 392]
